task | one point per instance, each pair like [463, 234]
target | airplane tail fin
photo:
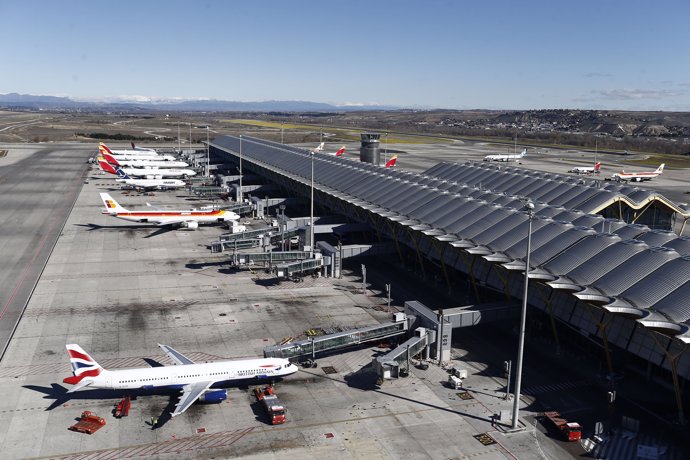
[320, 147]
[340, 152]
[111, 205]
[120, 173]
[524, 153]
[597, 166]
[105, 166]
[134, 147]
[84, 367]
[111, 159]
[390, 163]
[660, 169]
[104, 148]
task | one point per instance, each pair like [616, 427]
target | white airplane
[639, 176]
[102, 148]
[141, 149]
[340, 152]
[587, 169]
[148, 184]
[190, 218]
[319, 148]
[508, 157]
[195, 380]
[143, 162]
[147, 173]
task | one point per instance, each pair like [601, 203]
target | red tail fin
[111, 159]
[340, 152]
[104, 148]
[597, 166]
[390, 163]
[107, 167]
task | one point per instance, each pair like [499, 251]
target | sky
[584, 54]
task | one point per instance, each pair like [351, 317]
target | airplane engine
[215, 396]
[190, 225]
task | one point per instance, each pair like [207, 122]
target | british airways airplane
[194, 380]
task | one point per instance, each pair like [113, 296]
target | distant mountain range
[28, 101]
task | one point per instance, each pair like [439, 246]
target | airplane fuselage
[179, 375]
[162, 172]
[161, 217]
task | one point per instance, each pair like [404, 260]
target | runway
[38, 186]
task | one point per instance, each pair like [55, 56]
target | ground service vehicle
[274, 407]
[88, 423]
[571, 431]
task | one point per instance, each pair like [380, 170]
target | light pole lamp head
[529, 207]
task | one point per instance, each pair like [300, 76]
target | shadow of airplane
[141, 228]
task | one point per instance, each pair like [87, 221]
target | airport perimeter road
[38, 186]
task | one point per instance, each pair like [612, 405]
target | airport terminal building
[605, 264]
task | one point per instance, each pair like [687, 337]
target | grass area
[672, 161]
[342, 133]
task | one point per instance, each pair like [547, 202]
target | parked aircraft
[190, 218]
[508, 157]
[340, 152]
[147, 173]
[102, 148]
[146, 184]
[138, 154]
[587, 169]
[390, 163]
[141, 149]
[195, 380]
[639, 176]
[143, 163]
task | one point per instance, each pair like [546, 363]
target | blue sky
[450, 54]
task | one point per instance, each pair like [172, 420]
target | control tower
[369, 151]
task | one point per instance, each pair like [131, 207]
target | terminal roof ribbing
[478, 209]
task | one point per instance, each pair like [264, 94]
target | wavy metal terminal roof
[475, 208]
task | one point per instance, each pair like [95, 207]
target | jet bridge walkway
[251, 238]
[271, 258]
[396, 363]
[288, 270]
[305, 349]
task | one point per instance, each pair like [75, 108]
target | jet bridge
[289, 270]
[305, 349]
[270, 258]
[397, 362]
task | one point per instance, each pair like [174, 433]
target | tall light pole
[311, 213]
[179, 145]
[190, 134]
[385, 151]
[208, 154]
[281, 133]
[240, 200]
[523, 318]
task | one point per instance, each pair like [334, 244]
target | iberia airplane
[149, 162]
[187, 219]
[639, 176]
[148, 173]
[195, 380]
[340, 152]
[139, 153]
[390, 163]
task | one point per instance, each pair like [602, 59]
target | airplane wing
[176, 356]
[190, 393]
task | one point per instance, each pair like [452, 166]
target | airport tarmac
[38, 185]
[118, 289]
